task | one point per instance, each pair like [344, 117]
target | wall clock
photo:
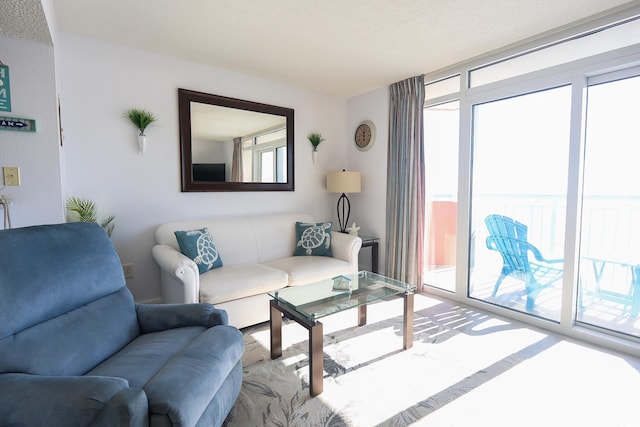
[365, 135]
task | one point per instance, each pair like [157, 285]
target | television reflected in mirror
[229, 144]
[209, 172]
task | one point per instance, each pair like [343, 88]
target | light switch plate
[11, 175]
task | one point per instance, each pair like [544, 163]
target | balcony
[609, 256]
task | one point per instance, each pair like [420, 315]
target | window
[541, 141]
[441, 124]
[269, 153]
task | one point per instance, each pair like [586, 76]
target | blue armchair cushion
[173, 367]
[33, 400]
[313, 239]
[74, 342]
[200, 246]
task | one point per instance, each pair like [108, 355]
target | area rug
[460, 355]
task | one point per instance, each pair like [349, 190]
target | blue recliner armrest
[36, 400]
[160, 317]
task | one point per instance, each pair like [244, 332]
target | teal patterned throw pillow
[200, 247]
[313, 239]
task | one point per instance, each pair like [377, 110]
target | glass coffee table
[306, 304]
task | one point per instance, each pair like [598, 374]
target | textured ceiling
[24, 19]
[338, 47]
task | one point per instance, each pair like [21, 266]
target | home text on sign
[5, 92]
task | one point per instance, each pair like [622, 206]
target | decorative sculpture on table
[341, 283]
[353, 230]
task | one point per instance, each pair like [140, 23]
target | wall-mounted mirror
[229, 144]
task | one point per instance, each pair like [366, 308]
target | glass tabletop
[368, 238]
[330, 296]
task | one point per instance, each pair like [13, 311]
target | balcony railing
[610, 234]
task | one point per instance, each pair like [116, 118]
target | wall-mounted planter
[142, 143]
[315, 139]
[140, 119]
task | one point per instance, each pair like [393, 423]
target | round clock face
[365, 135]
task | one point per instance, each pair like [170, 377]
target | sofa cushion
[239, 281]
[200, 246]
[308, 269]
[313, 239]
[275, 235]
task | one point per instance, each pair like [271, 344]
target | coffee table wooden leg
[407, 327]
[362, 315]
[316, 364]
[275, 326]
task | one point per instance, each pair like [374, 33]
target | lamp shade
[343, 182]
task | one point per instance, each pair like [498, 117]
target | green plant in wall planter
[84, 210]
[315, 139]
[141, 119]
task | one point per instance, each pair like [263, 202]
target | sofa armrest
[160, 317]
[180, 267]
[346, 247]
[31, 400]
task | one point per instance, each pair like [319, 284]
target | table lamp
[343, 182]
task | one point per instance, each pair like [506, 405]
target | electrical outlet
[128, 270]
[11, 176]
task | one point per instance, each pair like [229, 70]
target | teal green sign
[17, 124]
[5, 92]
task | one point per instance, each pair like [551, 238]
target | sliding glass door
[520, 158]
[533, 182]
[610, 240]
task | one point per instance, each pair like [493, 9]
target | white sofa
[257, 258]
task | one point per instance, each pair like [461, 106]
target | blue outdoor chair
[509, 238]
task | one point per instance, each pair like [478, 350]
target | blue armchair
[75, 350]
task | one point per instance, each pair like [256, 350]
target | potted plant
[141, 119]
[315, 139]
[86, 211]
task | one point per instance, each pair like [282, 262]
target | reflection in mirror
[234, 145]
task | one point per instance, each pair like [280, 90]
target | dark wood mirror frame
[185, 97]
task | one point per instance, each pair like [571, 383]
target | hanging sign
[16, 123]
[5, 92]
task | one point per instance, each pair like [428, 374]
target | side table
[369, 241]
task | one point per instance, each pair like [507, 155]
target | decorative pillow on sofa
[313, 239]
[200, 247]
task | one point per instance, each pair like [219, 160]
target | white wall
[368, 208]
[99, 81]
[33, 95]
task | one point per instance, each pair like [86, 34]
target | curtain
[236, 161]
[405, 182]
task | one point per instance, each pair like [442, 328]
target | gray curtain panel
[236, 164]
[405, 182]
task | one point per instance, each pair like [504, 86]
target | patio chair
[509, 238]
